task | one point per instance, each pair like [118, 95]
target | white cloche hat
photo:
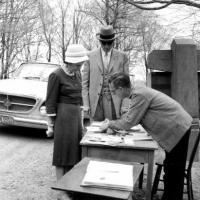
[76, 53]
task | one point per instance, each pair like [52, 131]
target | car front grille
[16, 103]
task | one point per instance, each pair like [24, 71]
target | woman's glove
[50, 125]
[49, 131]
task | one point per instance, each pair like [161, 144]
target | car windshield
[35, 71]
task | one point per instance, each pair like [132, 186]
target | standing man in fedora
[104, 61]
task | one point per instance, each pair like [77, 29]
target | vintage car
[22, 97]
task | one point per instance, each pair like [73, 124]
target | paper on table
[109, 175]
[103, 138]
[93, 129]
[130, 140]
[95, 123]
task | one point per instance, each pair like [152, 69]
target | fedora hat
[106, 33]
[76, 53]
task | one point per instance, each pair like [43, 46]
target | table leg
[149, 175]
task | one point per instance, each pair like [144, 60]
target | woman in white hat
[63, 103]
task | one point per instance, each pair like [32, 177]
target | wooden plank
[160, 60]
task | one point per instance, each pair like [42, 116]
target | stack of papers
[96, 123]
[94, 127]
[109, 175]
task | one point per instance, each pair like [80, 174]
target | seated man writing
[164, 119]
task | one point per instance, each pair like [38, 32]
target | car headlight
[43, 110]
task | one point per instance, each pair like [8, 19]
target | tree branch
[160, 4]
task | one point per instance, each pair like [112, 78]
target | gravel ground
[26, 172]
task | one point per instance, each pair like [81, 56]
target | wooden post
[184, 80]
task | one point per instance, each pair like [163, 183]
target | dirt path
[26, 172]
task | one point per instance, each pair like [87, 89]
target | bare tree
[152, 36]
[63, 28]
[82, 24]
[138, 31]
[125, 20]
[78, 20]
[160, 4]
[48, 25]
[14, 29]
